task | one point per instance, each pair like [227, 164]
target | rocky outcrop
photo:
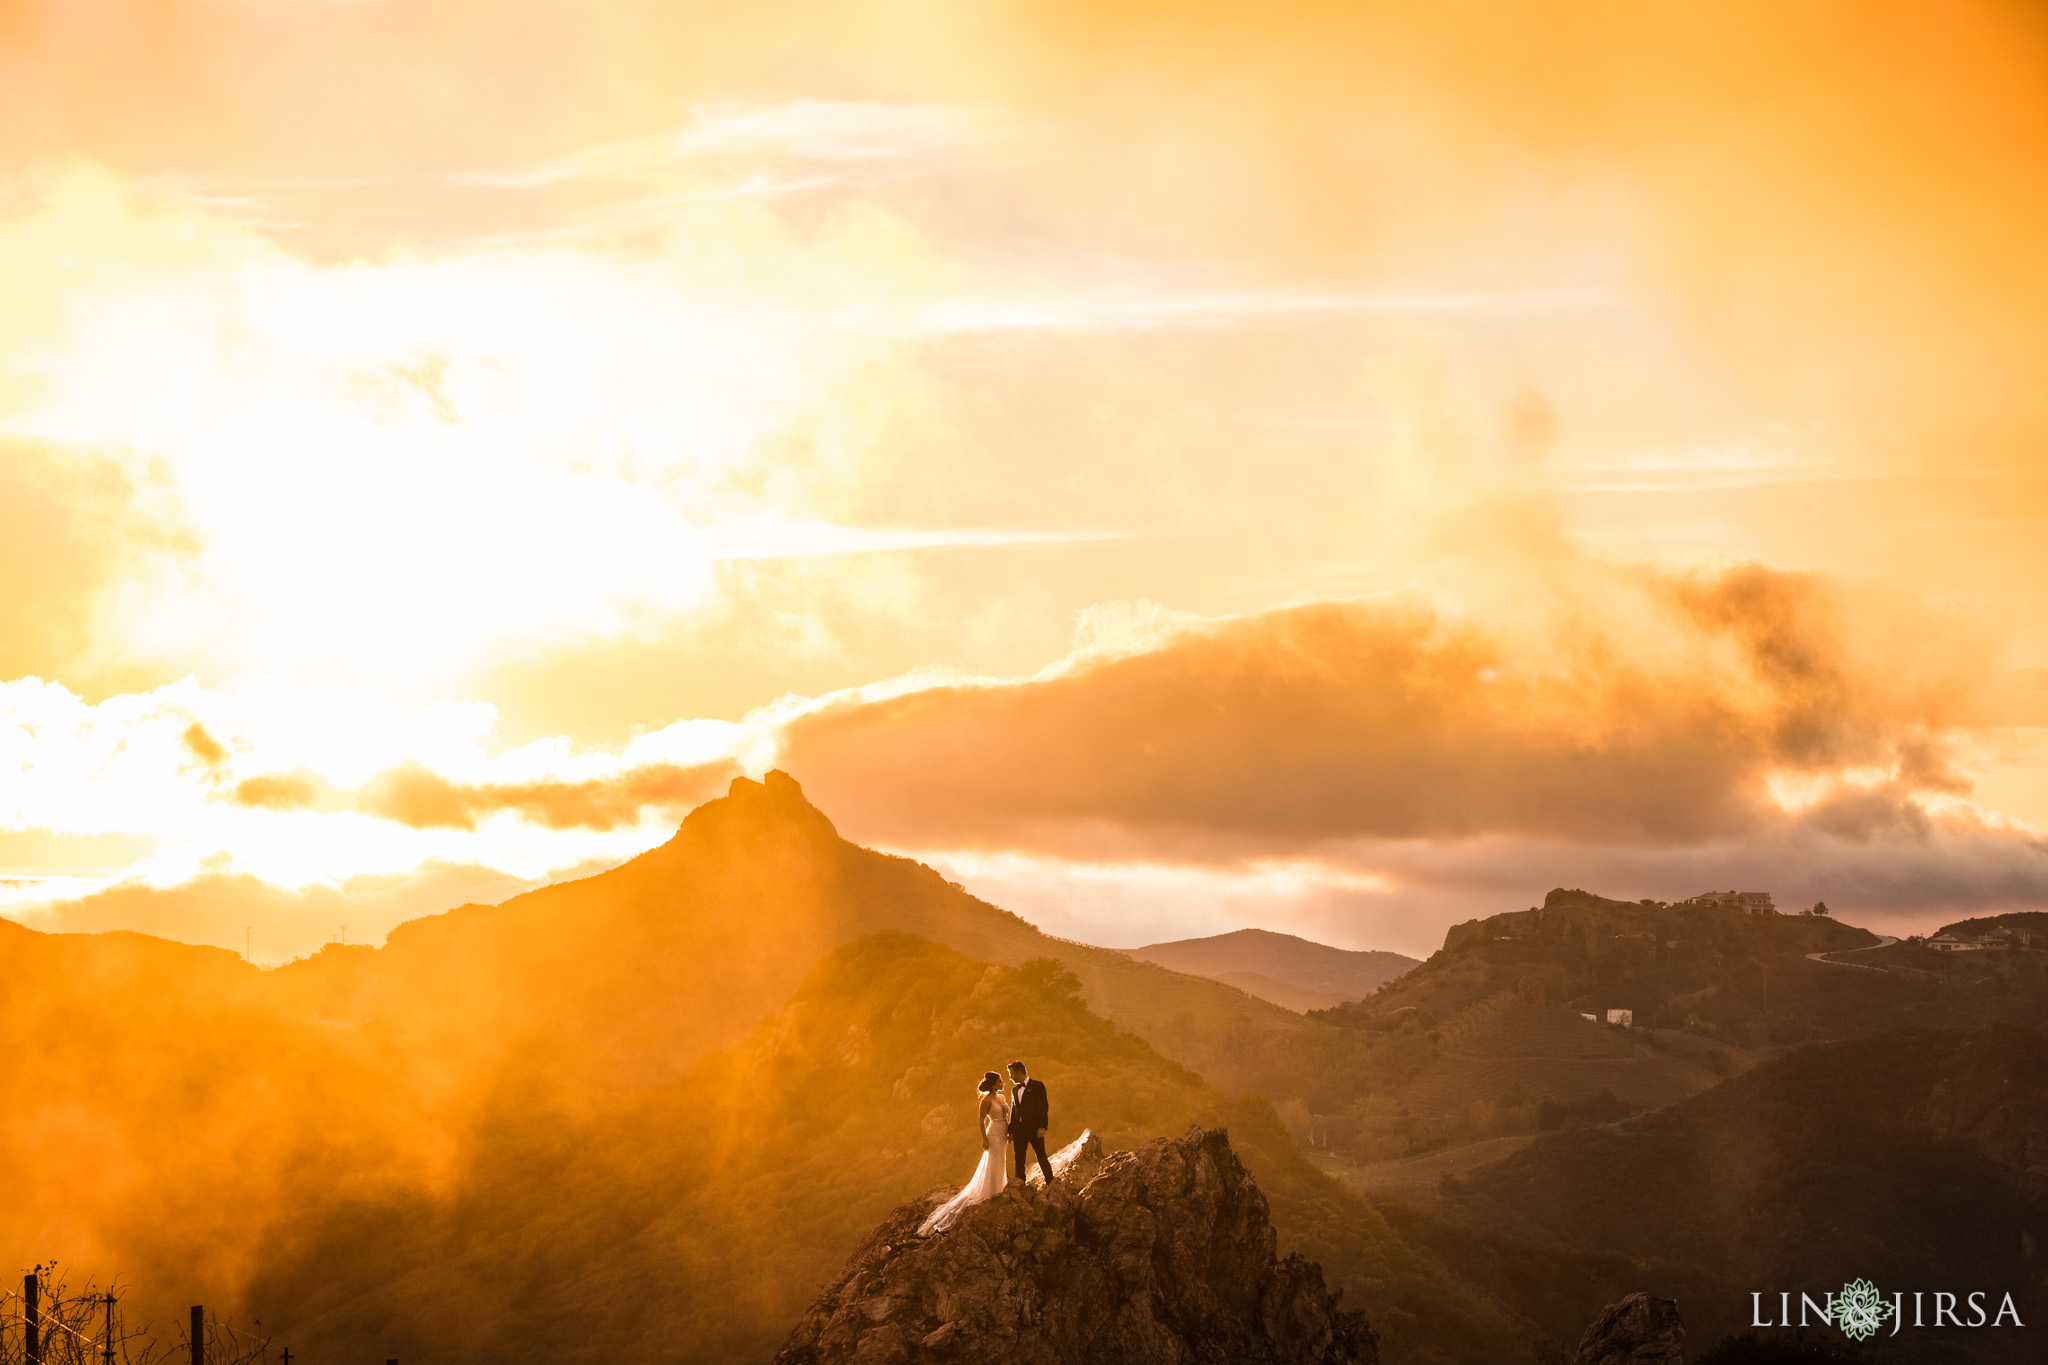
[1990, 1093]
[1640, 1330]
[1163, 1256]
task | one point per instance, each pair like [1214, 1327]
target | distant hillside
[1716, 974]
[697, 1221]
[1289, 971]
[1281, 993]
[2034, 922]
[1482, 1040]
[1915, 1160]
[1511, 1050]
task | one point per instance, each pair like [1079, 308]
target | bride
[989, 1177]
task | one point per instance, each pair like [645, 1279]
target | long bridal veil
[990, 1177]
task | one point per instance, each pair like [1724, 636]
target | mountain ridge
[1291, 971]
[753, 888]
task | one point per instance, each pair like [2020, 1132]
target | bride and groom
[1016, 1112]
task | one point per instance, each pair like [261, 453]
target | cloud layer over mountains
[1650, 733]
[1673, 709]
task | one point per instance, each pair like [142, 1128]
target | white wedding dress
[990, 1177]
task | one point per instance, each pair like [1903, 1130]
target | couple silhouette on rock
[1016, 1113]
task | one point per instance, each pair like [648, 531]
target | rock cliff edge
[1163, 1256]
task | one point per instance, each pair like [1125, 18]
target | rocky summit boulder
[1163, 1256]
[1640, 1330]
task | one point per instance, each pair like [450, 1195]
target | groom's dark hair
[1018, 1066]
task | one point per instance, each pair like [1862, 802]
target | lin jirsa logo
[1861, 1311]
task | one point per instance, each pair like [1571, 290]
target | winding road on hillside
[1883, 941]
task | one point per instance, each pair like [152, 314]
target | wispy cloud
[839, 137]
[1114, 305]
[725, 152]
[420, 798]
[804, 540]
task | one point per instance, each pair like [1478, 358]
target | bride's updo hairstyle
[990, 1083]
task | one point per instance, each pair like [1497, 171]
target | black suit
[1029, 1118]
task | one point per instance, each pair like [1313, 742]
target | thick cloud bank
[1668, 710]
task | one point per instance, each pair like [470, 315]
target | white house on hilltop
[1749, 902]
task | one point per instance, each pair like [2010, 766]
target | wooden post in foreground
[32, 1320]
[198, 1334]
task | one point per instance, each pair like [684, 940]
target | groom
[1029, 1118]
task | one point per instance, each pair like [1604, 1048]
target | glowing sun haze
[1344, 468]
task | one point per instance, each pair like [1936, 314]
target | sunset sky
[1344, 468]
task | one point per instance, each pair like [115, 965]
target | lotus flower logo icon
[1860, 1310]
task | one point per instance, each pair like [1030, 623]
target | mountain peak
[776, 790]
[775, 784]
[776, 803]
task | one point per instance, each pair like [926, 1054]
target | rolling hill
[1291, 972]
[1918, 1160]
[1486, 1033]
[2033, 922]
[1505, 1049]
[1707, 968]
[696, 1221]
[1722, 978]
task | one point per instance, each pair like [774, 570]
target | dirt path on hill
[1883, 941]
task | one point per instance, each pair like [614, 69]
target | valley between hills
[646, 1115]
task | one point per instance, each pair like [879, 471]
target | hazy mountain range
[646, 1114]
[652, 1091]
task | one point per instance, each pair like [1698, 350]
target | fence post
[107, 1347]
[31, 1316]
[198, 1334]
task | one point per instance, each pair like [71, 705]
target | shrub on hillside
[1602, 1107]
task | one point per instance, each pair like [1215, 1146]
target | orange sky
[1344, 468]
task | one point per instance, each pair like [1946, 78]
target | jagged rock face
[1640, 1330]
[1163, 1255]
